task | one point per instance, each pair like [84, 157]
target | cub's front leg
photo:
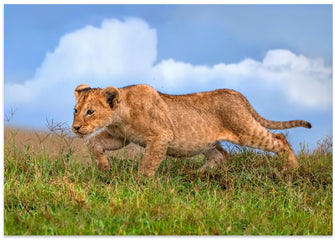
[154, 154]
[101, 142]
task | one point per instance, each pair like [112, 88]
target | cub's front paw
[104, 166]
[147, 172]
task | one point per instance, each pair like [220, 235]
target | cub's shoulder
[138, 87]
[140, 90]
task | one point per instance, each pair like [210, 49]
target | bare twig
[10, 115]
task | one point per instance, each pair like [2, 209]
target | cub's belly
[187, 149]
[193, 139]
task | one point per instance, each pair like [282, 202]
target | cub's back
[203, 103]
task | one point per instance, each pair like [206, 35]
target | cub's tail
[275, 124]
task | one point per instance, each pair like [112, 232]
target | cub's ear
[80, 88]
[112, 96]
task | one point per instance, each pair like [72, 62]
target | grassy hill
[52, 187]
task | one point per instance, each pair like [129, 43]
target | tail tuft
[308, 125]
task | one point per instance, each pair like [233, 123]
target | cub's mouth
[80, 135]
[80, 132]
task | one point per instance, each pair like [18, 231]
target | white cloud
[122, 53]
[116, 50]
[304, 81]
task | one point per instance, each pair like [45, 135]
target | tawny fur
[176, 125]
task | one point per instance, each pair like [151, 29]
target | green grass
[59, 195]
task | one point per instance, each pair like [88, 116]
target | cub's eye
[75, 110]
[89, 112]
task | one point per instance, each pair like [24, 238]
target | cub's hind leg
[252, 134]
[291, 162]
[215, 158]
[259, 137]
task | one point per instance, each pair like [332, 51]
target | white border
[168, 2]
[97, 2]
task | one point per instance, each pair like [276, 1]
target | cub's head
[94, 109]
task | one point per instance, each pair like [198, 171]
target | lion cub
[176, 125]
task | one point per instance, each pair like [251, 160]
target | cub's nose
[76, 127]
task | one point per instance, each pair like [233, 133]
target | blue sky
[278, 56]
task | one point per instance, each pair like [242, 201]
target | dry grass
[58, 142]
